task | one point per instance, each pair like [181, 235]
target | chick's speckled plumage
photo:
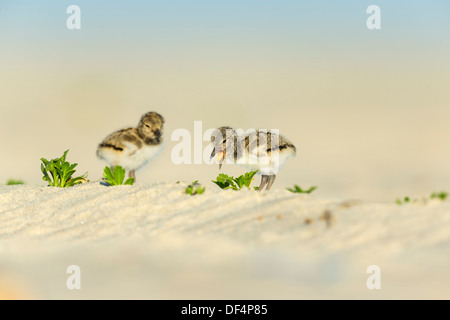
[262, 150]
[132, 148]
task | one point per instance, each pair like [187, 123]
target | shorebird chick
[259, 150]
[132, 148]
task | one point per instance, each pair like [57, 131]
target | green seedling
[403, 201]
[439, 195]
[116, 177]
[298, 189]
[442, 196]
[406, 200]
[245, 180]
[225, 181]
[12, 182]
[195, 188]
[58, 172]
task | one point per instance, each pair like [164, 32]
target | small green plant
[403, 201]
[298, 189]
[406, 200]
[225, 181]
[442, 196]
[58, 172]
[195, 188]
[116, 177]
[439, 195]
[12, 182]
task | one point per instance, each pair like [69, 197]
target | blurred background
[367, 109]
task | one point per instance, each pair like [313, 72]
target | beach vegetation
[195, 188]
[12, 182]
[225, 181]
[439, 195]
[298, 189]
[116, 176]
[59, 173]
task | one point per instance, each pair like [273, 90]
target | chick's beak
[213, 153]
[220, 158]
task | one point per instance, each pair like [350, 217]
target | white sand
[153, 241]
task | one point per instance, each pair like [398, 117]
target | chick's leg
[271, 181]
[263, 182]
[132, 174]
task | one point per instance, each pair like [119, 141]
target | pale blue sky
[172, 23]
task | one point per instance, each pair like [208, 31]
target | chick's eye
[147, 126]
[224, 140]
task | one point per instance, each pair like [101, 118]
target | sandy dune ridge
[154, 241]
